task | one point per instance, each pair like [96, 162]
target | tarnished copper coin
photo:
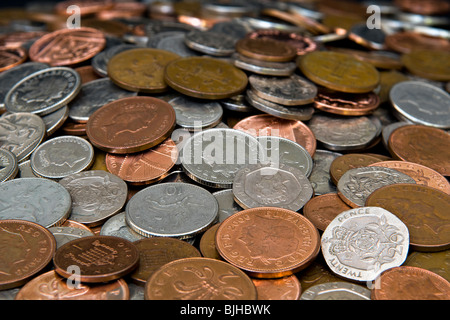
[199, 279]
[131, 124]
[266, 49]
[268, 125]
[140, 69]
[207, 243]
[99, 258]
[144, 167]
[26, 249]
[342, 164]
[205, 78]
[11, 57]
[423, 145]
[424, 210]
[379, 59]
[429, 64]
[286, 288]
[436, 262]
[268, 242]
[410, 283]
[87, 74]
[427, 7]
[86, 7]
[409, 41]
[67, 47]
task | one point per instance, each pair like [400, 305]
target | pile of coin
[212, 150]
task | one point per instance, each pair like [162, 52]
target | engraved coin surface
[8, 165]
[267, 68]
[266, 49]
[117, 226]
[210, 42]
[55, 120]
[320, 177]
[65, 234]
[336, 291]
[227, 205]
[345, 162]
[361, 243]
[100, 61]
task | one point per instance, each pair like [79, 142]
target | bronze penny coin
[73, 128]
[87, 7]
[424, 210]
[108, 27]
[423, 145]
[11, 57]
[75, 224]
[67, 47]
[428, 64]
[141, 69]
[382, 60]
[410, 283]
[268, 242]
[131, 124]
[156, 252]
[144, 167]
[427, 7]
[321, 210]
[99, 258]
[26, 249]
[421, 174]
[266, 49]
[339, 71]
[205, 78]
[409, 41]
[51, 286]
[268, 125]
[87, 74]
[199, 279]
[207, 243]
[437, 262]
[286, 288]
[19, 38]
[342, 164]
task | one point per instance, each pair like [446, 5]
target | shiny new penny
[140, 69]
[425, 211]
[266, 49]
[409, 41]
[268, 242]
[423, 145]
[411, 283]
[199, 279]
[342, 164]
[205, 78]
[26, 249]
[67, 46]
[428, 64]
[321, 210]
[11, 57]
[286, 288]
[131, 125]
[207, 243]
[144, 167]
[100, 258]
[268, 125]
[339, 71]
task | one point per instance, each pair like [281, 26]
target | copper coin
[87, 7]
[286, 288]
[19, 38]
[11, 57]
[199, 279]
[131, 124]
[87, 74]
[437, 262]
[156, 252]
[266, 49]
[26, 249]
[67, 47]
[75, 224]
[75, 129]
[347, 104]
[428, 64]
[410, 283]
[421, 174]
[100, 258]
[379, 59]
[321, 210]
[51, 286]
[144, 167]
[342, 164]
[207, 243]
[427, 7]
[409, 41]
[424, 210]
[423, 145]
[112, 28]
[268, 125]
[268, 242]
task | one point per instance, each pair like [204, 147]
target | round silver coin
[320, 176]
[237, 103]
[359, 244]
[233, 28]
[227, 205]
[117, 226]
[100, 61]
[53, 121]
[289, 91]
[66, 234]
[62, 156]
[21, 133]
[96, 196]
[336, 291]
[357, 184]
[193, 114]
[44, 91]
[172, 41]
[279, 186]
[267, 68]
[38, 200]
[422, 103]
[178, 210]
[387, 130]
[8, 165]
[211, 43]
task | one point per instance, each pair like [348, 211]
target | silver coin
[96, 195]
[62, 156]
[336, 291]
[154, 27]
[178, 210]
[118, 227]
[369, 38]
[211, 43]
[360, 243]
[356, 185]
[422, 103]
[38, 200]
[21, 133]
[44, 91]
[227, 205]
[387, 130]
[320, 176]
[280, 69]
[8, 165]
[172, 41]
[94, 95]
[213, 157]
[229, 7]
[279, 186]
[237, 103]
[100, 61]
[231, 28]
[25, 170]
[302, 113]
[64, 235]
[281, 150]
[9, 294]
[289, 91]
[136, 292]
[53, 121]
